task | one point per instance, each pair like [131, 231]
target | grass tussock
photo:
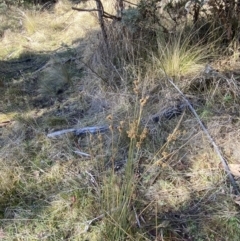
[179, 57]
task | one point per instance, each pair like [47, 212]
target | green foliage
[131, 18]
[141, 17]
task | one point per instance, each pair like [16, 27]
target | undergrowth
[153, 175]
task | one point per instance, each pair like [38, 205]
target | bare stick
[136, 216]
[84, 10]
[93, 180]
[89, 222]
[80, 132]
[105, 14]
[130, 3]
[224, 162]
[82, 153]
[5, 123]
[61, 132]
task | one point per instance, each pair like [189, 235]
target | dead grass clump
[169, 195]
[30, 23]
[178, 57]
[62, 6]
[205, 173]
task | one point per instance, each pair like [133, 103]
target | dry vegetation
[154, 174]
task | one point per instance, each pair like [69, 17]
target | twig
[82, 153]
[104, 14]
[108, 15]
[92, 177]
[85, 10]
[5, 123]
[130, 3]
[89, 222]
[136, 216]
[46, 5]
[224, 162]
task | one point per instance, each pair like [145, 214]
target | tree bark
[101, 21]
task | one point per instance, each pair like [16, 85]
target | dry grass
[144, 180]
[41, 31]
[179, 57]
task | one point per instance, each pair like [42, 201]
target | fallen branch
[79, 132]
[59, 133]
[224, 162]
[91, 130]
[82, 153]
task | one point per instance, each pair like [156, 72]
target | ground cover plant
[153, 173]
